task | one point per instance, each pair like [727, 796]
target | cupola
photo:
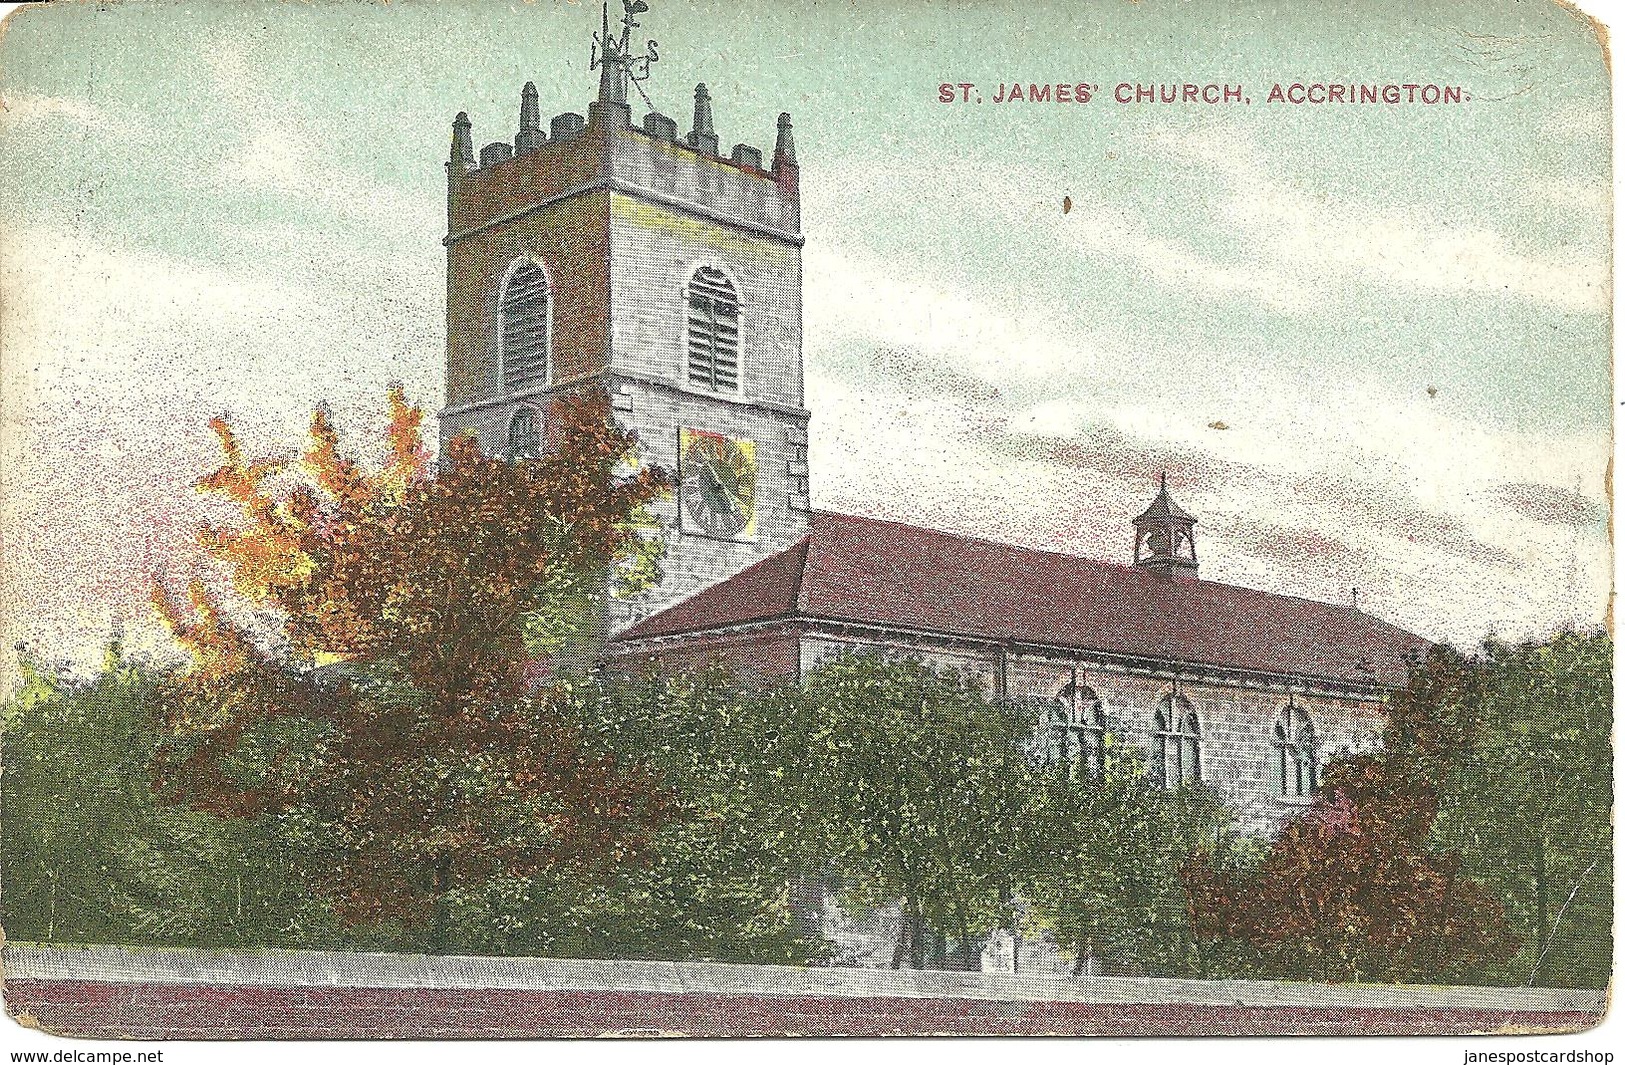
[1165, 538]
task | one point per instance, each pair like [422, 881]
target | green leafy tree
[1102, 863]
[916, 786]
[91, 855]
[1441, 858]
[714, 880]
[1526, 796]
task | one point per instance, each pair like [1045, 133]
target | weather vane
[620, 66]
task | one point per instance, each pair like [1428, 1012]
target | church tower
[1165, 538]
[597, 253]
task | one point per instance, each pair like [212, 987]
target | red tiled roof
[865, 571]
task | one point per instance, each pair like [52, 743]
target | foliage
[1476, 845]
[1349, 890]
[384, 717]
[91, 855]
[1526, 793]
[915, 787]
[714, 882]
[1101, 863]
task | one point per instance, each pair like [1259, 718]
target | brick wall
[102, 991]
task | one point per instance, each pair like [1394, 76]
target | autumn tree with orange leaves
[365, 679]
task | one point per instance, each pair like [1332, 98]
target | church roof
[864, 571]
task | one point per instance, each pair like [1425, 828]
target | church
[667, 271]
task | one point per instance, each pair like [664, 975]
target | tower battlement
[575, 155]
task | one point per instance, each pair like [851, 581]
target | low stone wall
[113, 991]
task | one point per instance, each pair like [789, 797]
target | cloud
[1317, 244]
[23, 109]
[944, 402]
[1365, 507]
[1177, 265]
[854, 303]
[276, 154]
[910, 371]
[127, 354]
[1551, 505]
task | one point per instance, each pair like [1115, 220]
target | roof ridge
[1103, 563]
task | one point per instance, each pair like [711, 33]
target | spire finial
[784, 149]
[702, 109]
[703, 137]
[530, 112]
[611, 63]
[462, 144]
[614, 55]
[1165, 480]
[530, 136]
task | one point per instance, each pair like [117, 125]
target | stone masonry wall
[1236, 720]
[654, 250]
[571, 240]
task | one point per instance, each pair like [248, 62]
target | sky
[1368, 344]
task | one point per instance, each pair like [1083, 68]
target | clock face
[719, 485]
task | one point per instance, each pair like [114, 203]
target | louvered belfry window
[524, 329]
[713, 331]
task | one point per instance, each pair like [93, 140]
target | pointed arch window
[1176, 758]
[524, 435]
[522, 327]
[713, 331]
[1075, 734]
[1296, 767]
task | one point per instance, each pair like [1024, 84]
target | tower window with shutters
[713, 331]
[523, 328]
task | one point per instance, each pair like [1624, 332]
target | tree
[1358, 887]
[1102, 861]
[91, 855]
[377, 700]
[1350, 891]
[714, 882]
[1526, 796]
[917, 787]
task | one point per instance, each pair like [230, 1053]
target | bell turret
[1165, 538]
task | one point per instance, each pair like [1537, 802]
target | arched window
[1176, 758]
[1075, 734]
[522, 321]
[713, 331]
[524, 435]
[1295, 770]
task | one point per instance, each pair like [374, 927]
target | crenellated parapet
[605, 150]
